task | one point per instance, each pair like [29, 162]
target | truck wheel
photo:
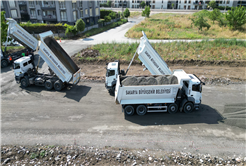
[48, 85]
[58, 85]
[112, 91]
[4, 63]
[172, 108]
[188, 108]
[129, 110]
[141, 110]
[24, 82]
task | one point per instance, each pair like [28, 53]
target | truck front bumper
[196, 107]
[108, 87]
[17, 79]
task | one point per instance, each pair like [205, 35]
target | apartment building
[12, 9]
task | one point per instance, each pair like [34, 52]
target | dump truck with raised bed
[63, 69]
[179, 91]
[149, 58]
[17, 33]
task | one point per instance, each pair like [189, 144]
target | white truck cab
[22, 65]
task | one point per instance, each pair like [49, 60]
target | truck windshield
[16, 66]
[110, 73]
[197, 87]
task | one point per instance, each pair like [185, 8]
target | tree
[146, 11]
[173, 5]
[4, 28]
[107, 18]
[109, 3]
[214, 14]
[236, 17]
[142, 4]
[200, 22]
[212, 4]
[80, 25]
[127, 13]
[112, 15]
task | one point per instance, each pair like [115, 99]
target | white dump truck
[63, 69]
[23, 37]
[184, 94]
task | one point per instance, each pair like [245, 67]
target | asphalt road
[87, 115]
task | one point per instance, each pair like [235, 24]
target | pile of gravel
[160, 80]
[81, 155]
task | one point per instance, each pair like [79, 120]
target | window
[32, 13]
[36, 2]
[189, 7]
[184, 6]
[132, 6]
[97, 11]
[186, 84]
[133, 1]
[39, 12]
[31, 3]
[91, 12]
[80, 3]
[110, 73]
[75, 15]
[12, 3]
[153, 1]
[62, 4]
[24, 64]
[86, 11]
[2, 4]
[228, 1]
[197, 88]
[74, 4]
[14, 13]
[30, 62]
[16, 66]
[189, 1]
[63, 16]
[81, 13]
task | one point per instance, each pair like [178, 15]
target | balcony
[22, 3]
[33, 17]
[48, 7]
[198, 3]
[23, 11]
[31, 6]
[50, 18]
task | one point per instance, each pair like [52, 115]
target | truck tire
[129, 110]
[112, 91]
[172, 108]
[188, 107]
[24, 82]
[141, 110]
[48, 84]
[4, 63]
[58, 85]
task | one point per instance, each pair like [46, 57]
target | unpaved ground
[209, 74]
[81, 155]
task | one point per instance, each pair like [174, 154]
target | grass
[177, 26]
[135, 14]
[12, 48]
[219, 49]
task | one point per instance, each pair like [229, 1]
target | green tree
[142, 4]
[173, 5]
[4, 27]
[200, 22]
[212, 4]
[70, 29]
[146, 11]
[112, 15]
[222, 20]
[109, 3]
[80, 25]
[214, 15]
[236, 17]
[107, 18]
[127, 13]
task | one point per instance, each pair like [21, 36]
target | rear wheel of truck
[129, 110]
[48, 85]
[188, 108]
[58, 85]
[172, 108]
[141, 110]
[24, 82]
[4, 63]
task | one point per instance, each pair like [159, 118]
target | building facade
[54, 11]
[12, 9]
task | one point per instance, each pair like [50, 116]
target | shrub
[70, 29]
[146, 11]
[214, 14]
[236, 17]
[107, 18]
[104, 13]
[200, 22]
[127, 13]
[112, 15]
[80, 25]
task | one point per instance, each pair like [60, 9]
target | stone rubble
[81, 155]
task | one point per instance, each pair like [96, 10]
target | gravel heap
[80, 155]
[160, 80]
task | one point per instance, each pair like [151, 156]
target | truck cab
[111, 75]
[21, 66]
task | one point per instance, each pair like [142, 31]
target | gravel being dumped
[160, 80]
